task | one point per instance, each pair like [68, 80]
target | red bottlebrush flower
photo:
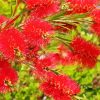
[82, 6]
[11, 39]
[66, 55]
[95, 28]
[36, 32]
[2, 19]
[86, 53]
[45, 10]
[47, 61]
[31, 52]
[8, 76]
[95, 14]
[44, 64]
[60, 87]
[35, 3]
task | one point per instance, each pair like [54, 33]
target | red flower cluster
[11, 39]
[95, 14]
[42, 8]
[82, 6]
[96, 21]
[66, 55]
[8, 76]
[86, 53]
[60, 87]
[36, 31]
[95, 28]
[34, 3]
[45, 63]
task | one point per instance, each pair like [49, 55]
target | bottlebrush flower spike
[8, 76]
[47, 61]
[60, 87]
[66, 55]
[36, 31]
[86, 53]
[95, 14]
[35, 3]
[95, 28]
[31, 52]
[11, 39]
[43, 8]
[82, 6]
[46, 10]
